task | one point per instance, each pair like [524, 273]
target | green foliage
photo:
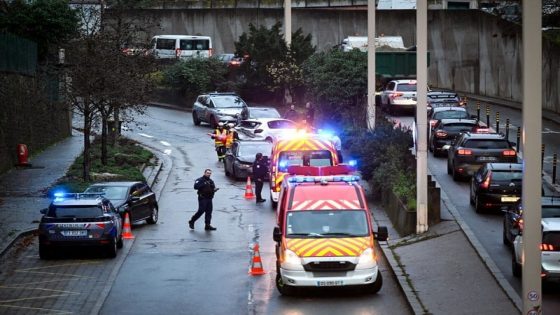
[197, 75]
[285, 74]
[337, 81]
[49, 23]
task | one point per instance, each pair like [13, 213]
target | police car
[80, 220]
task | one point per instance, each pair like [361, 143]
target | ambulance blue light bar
[322, 179]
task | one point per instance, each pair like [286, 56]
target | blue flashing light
[58, 194]
[352, 162]
[283, 164]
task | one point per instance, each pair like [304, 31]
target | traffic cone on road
[249, 189]
[256, 265]
[127, 231]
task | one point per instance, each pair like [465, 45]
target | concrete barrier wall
[471, 51]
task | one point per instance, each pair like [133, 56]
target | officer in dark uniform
[260, 169]
[206, 189]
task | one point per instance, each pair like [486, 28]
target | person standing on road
[206, 190]
[292, 114]
[260, 169]
[219, 137]
[309, 114]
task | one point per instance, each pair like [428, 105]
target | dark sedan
[445, 132]
[495, 185]
[513, 218]
[135, 198]
[239, 160]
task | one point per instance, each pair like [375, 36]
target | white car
[399, 95]
[268, 129]
[550, 250]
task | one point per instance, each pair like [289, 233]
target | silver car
[213, 108]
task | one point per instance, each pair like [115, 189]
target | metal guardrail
[17, 54]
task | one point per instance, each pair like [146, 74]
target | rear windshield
[263, 113]
[552, 238]
[507, 175]
[451, 114]
[405, 87]
[458, 127]
[281, 124]
[249, 124]
[253, 149]
[109, 192]
[228, 101]
[194, 44]
[551, 212]
[304, 158]
[320, 223]
[486, 144]
[165, 43]
[75, 212]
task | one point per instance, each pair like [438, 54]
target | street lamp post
[371, 65]
[288, 22]
[421, 117]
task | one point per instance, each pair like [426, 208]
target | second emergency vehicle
[302, 149]
[324, 234]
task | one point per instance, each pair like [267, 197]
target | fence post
[497, 122]
[488, 116]
[478, 110]
[507, 129]
[554, 161]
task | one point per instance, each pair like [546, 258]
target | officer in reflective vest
[220, 139]
[231, 135]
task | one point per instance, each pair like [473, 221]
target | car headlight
[367, 259]
[291, 261]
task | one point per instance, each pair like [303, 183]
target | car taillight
[464, 152]
[486, 183]
[481, 130]
[547, 247]
[508, 153]
[519, 224]
[100, 225]
[395, 95]
[441, 134]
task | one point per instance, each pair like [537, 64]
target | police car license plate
[334, 283]
[509, 199]
[74, 233]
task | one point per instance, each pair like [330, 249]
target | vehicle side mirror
[258, 131]
[382, 234]
[277, 234]
[44, 211]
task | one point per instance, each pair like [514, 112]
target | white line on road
[167, 151]
[145, 135]
[547, 130]
[165, 143]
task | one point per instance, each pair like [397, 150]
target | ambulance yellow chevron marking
[328, 247]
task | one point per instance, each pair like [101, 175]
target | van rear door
[165, 48]
[195, 47]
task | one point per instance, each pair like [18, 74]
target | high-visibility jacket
[229, 138]
[220, 137]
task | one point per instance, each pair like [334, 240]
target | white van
[180, 46]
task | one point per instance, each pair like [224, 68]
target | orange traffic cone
[127, 231]
[249, 189]
[256, 266]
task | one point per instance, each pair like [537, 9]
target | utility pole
[371, 65]
[532, 170]
[421, 117]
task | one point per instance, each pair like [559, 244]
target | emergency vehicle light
[353, 163]
[317, 179]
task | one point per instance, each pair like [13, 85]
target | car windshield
[551, 238]
[321, 223]
[282, 124]
[264, 113]
[228, 101]
[406, 87]
[551, 212]
[486, 144]
[109, 192]
[507, 175]
[75, 212]
[451, 114]
[253, 149]
[459, 127]
[304, 158]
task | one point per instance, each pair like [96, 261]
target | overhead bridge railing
[253, 4]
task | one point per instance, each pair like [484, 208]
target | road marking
[548, 130]
[37, 308]
[165, 143]
[57, 274]
[36, 298]
[40, 282]
[145, 135]
[167, 151]
[61, 265]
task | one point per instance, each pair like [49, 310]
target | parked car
[135, 198]
[79, 220]
[446, 130]
[513, 218]
[239, 160]
[213, 108]
[225, 58]
[268, 129]
[470, 151]
[495, 185]
[256, 112]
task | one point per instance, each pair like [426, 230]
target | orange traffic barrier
[127, 231]
[256, 266]
[249, 189]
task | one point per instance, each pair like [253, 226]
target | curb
[16, 239]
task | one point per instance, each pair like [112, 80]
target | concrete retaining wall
[471, 51]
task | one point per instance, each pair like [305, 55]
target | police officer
[260, 169]
[292, 114]
[206, 190]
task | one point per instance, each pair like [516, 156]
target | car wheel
[477, 205]
[515, 267]
[283, 288]
[471, 196]
[45, 251]
[111, 249]
[120, 243]
[233, 173]
[153, 218]
[228, 174]
[376, 285]
[196, 120]
[273, 203]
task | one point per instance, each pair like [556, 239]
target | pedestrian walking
[292, 114]
[206, 190]
[309, 114]
[260, 169]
